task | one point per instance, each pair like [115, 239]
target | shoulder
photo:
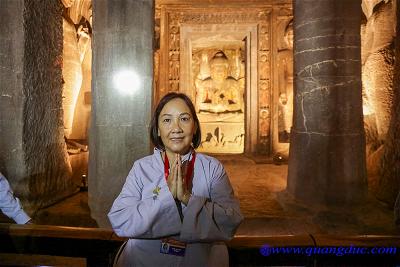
[147, 164]
[212, 164]
[3, 179]
[145, 170]
[206, 158]
[145, 161]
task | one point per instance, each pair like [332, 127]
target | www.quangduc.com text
[267, 250]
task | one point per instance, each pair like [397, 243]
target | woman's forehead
[175, 106]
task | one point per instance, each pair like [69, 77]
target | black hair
[155, 139]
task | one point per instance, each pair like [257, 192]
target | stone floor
[268, 209]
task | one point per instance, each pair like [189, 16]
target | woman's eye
[166, 120]
[185, 119]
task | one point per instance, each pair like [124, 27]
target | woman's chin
[179, 149]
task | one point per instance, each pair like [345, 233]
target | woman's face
[176, 126]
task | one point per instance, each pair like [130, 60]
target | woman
[175, 204]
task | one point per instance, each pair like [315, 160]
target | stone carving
[174, 66]
[76, 44]
[216, 141]
[264, 65]
[264, 114]
[84, 41]
[79, 9]
[219, 92]
[72, 75]
[201, 79]
[174, 49]
[285, 85]
[263, 37]
[156, 58]
[378, 61]
[67, 3]
[156, 72]
[221, 16]
[264, 88]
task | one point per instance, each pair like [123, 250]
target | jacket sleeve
[9, 204]
[212, 219]
[144, 211]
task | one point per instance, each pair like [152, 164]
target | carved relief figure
[71, 72]
[378, 61]
[79, 9]
[218, 92]
[285, 81]
[378, 58]
[219, 140]
[76, 44]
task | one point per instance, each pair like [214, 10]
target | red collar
[189, 171]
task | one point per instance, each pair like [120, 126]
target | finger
[179, 171]
[176, 171]
[171, 175]
[180, 182]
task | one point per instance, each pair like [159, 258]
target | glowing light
[367, 110]
[127, 82]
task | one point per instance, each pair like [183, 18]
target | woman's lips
[176, 139]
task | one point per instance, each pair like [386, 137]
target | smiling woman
[176, 205]
[176, 126]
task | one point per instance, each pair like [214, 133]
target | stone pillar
[119, 134]
[33, 153]
[11, 87]
[327, 150]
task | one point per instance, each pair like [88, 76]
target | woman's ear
[158, 132]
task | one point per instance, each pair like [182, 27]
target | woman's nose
[176, 126]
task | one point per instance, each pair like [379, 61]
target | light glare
[127, 82]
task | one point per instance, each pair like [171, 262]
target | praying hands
[177, 184]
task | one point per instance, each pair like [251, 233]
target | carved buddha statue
[218, 92]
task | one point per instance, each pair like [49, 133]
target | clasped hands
[177, 184]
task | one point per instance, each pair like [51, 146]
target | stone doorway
[188, 38]
[216, 60]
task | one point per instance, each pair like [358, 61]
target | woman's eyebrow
[185, 113]
[166, 114]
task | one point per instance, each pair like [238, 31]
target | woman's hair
[155, 139]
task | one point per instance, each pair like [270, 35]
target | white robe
[212, 215]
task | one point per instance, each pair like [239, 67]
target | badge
[173, 247]
[156, 192]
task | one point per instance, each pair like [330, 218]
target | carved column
[264, 62]
[327, 152]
